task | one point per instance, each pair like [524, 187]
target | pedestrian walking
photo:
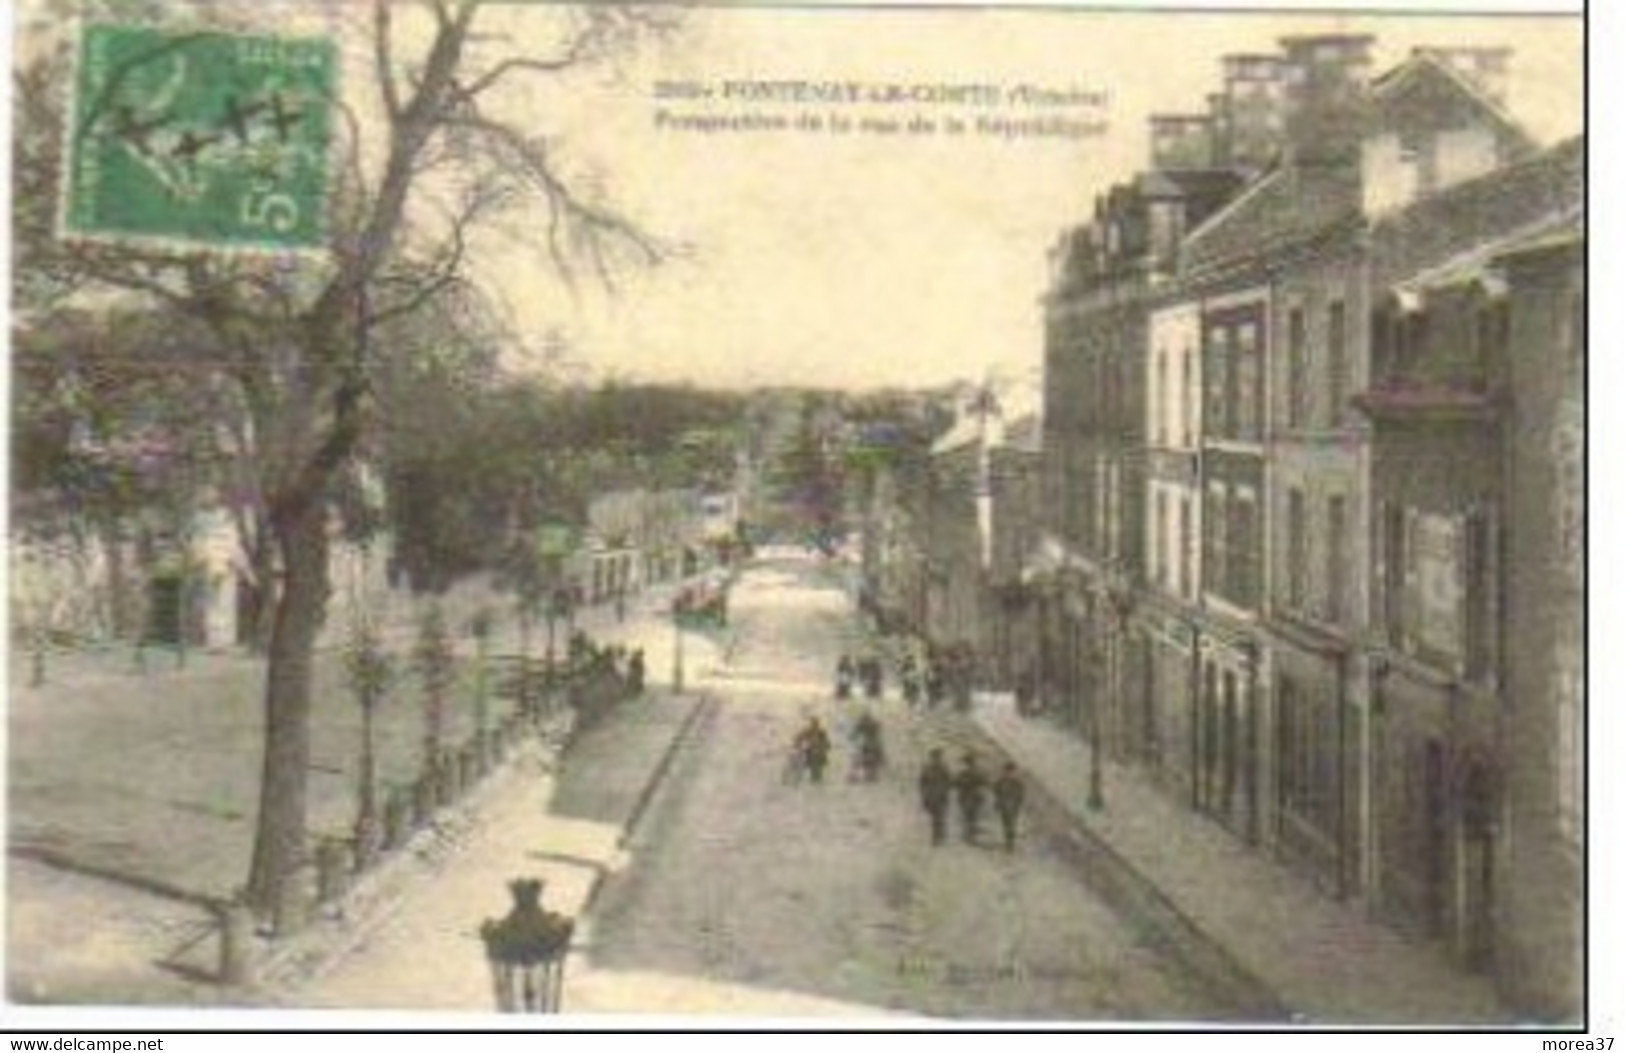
[935, 682]
[635, 671]
[869, 753]
[1009, 793]
[1025, 704]
[909, 675]
[873, 678]
[936, 786]
[971, 785]
[812, 744]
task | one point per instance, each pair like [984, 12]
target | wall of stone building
[1312, 814]
[1436, 467]
[1444, 475]
[1174, 377]
[1167, 647]
[1438, 735]
[1542, 908]
[1232, 727]
[1412, 811]
[1319, 473]
[1313, 287]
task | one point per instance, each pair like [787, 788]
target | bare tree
[295, 341]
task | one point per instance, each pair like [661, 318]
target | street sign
[204, 138]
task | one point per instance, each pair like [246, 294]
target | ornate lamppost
[526, 952]
[677, 646]
[1097, 798]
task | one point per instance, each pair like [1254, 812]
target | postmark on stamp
[205, 138]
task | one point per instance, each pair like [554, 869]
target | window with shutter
[1297, 368]
[1215, 560]
[1215, 384]
[1391, 575]
[1479, 593]
[1159, 399]
[1337, 557]
[1410, 585]
[1244, 545]
[1337, 362]
[1187, 579]
[1297, 555]
[1187, 402]
[1159, 553]
[1248, 383]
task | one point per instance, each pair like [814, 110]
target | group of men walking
[970, 786]
[939, 786]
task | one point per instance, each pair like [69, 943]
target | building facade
[1347, 626]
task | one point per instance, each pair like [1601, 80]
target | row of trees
[298, 353]
[151, 377]
[830, 446]
[468, 483]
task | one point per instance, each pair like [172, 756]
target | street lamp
[1097, 799]
[526, 951]
[677, 648]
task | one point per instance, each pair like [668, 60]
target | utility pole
[677, 650]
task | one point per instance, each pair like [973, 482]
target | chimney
[1326, 78]
[1181, 141]
[1254, 108]
[1485, 68]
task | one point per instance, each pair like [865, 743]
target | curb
[1130, 891]
[704, 705]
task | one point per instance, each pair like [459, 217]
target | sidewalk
[1322, 958]
[420, 948]
[421, 951]
[131, 796]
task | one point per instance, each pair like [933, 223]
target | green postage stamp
[201, 137]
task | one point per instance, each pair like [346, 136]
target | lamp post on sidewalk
[526, 951]
[677, 648]
[1097, 798]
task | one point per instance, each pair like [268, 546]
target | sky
[808, 257]
[864, 259]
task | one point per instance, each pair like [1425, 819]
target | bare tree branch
[425, 288]
[574, 226]
[602, 29]
[383, 44]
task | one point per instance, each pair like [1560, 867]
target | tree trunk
[279, 844]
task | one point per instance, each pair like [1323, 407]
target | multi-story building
[1358, 413]
[1225, 309]
[1169, 619]
[1539, 921]
[1453, 127]
[1097, 312]
[1010, 644]
[956, 555]
[1455, 410]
